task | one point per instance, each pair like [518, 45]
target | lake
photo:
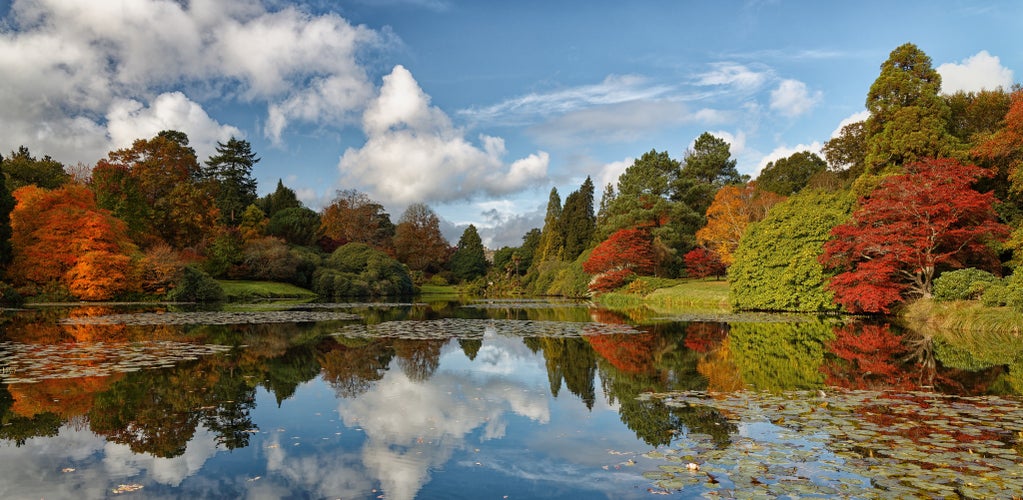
[498, 399]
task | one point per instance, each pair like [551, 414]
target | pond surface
[498, 399]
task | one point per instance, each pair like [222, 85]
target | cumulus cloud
[72, 64]
[792, 98]
[413, 153]
[849, 120]
[128, 120]
[610, 172]
[978, 72]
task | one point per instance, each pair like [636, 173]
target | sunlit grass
[669, 295]
[962, 316]
[242, 290]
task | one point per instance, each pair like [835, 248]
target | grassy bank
[669, 295]
[241, 291]
[961, 316]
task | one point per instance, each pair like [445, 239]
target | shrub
[194, 285]
[9, 296]
[963, 284]
[357, 269]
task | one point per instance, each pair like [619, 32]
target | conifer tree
[552, 238]
[469, 261]
[578, 220]
[6, 207]
[231, 170]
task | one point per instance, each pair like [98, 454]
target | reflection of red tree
[869, 357]
[607, 317]
[632, 353]
[64, 397]
[704, 337]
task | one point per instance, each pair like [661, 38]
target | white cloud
[69, 64]
[736, 141]
[733, 75]
[792, 98]
[414, 154]
[128, 120]
[622, 122]
[978, 72]
[610, 172]
[849, 120]
[786, 151]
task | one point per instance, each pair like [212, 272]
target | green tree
[788, 176]
[848, 151]
[23, 169]
[296, 225]
[776, 265]
[282, 197]
[578, 220]
[469, 261]
[908, 117]
[418, 242]
[552, 237]
[6, 207]
[707, 167]
[231, 170]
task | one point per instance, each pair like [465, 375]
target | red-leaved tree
[626, 253]
[908, 228]
[701, 263]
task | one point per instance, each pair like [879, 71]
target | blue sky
[476, 108]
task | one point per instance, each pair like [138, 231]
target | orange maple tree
[733, 209]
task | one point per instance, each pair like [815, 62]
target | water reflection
[481, 395]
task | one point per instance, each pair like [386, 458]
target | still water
[497, 399]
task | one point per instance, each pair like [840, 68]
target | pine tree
[469, 261]
[578, 220]
[231, 170]
[6, 207]
[552, 237]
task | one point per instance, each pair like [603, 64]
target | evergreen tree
[578, 220]
[552, 238]
[23, 169]
[282, 197]
[6, 207]
[788, 176]
[707, 167]
[908, 118]
[469, 261]
[231, 170]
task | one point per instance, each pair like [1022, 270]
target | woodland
[923, 199]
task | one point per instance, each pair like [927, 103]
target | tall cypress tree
[578, 220]
[6, 207]
[552, 238]
[469, 261]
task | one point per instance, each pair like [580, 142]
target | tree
[552, 238]
[231, 170]
[296, 225]
[734, 208]
[707, 167]
[418, 242]
[788, 176]
[469, 261]
[6, 207]
[60, 237]
[908, 118]
[975, 115]
[701, 263]
[910, 228]
[847, 152]
[22, 169]
[354, 218]
[775, 266]
[282, 197]
[578, 220]
[627, 252]
[1002, 150]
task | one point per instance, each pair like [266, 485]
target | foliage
[776, 266]
[625, 253]
[356, 269]
[283, 197]
[569, 281]
[780, 356]
[578, 220]
[9, 295]
[552, 238]
[269, 259]
[61, 236]
[418, 242]
[975, 115]
[253, 223]
[296, 225]
[912, 226]
[231, 170]
[224, 254]
[702, 263]
[159, 268]
[194, 285]
[733, 209]
[469, 261]
[847, 151]
[352, 217]
[247, 290]
[787, 176]
[1003, 152]
[22, 169]
[707, 167]
[6, 207]
[908, 117]
[962, 284]
[1008, 292]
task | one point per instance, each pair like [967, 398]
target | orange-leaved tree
[622, 256]
[733, 209]
[910, 228]
[60, 237]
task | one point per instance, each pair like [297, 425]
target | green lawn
[670, 295]
[242, 290]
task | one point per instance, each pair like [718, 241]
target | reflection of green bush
[780, 356]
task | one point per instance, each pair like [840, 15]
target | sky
[477, 108]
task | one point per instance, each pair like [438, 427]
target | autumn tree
[22, 169]
[231, 171]
[578, 220]
[846, 153]
[908, 117]
[157, 187]
[702, 263]
[975, 115]
[352, 217]
[469, 260]
[789, 175]
[911, 227]
[624, 255]
[61, 238]
[1003, 152]
[418, 242]
[733, 209]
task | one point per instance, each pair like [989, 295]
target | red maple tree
[625, 253]
[909, 228]
[701, 263]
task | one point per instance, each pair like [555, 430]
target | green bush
[357, 270]
[963, 284]
[194, 285]
[9, 296]
[1006, 292]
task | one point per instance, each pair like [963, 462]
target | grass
[670, 295]
[440, 290]
[242, 290]
[961, 316]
